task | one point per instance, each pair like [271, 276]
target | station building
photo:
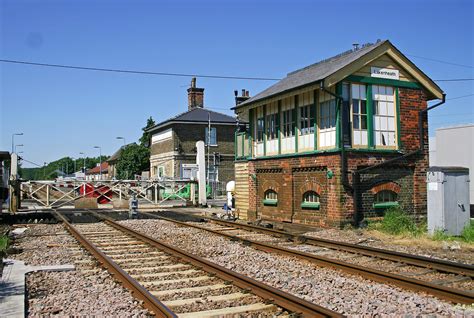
[173, 142]
[337, 141]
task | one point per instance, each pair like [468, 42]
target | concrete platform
[12, 285]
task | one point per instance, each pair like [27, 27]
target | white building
[454, 146]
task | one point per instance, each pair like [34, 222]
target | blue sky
[64, 112]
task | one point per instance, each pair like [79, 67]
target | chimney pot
[193, 82]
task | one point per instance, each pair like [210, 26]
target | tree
[145, 138]
[133, 160]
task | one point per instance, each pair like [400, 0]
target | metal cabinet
[448, 199]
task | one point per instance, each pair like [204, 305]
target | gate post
[47, 195]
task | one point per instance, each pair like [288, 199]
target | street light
[84, 156]
[20, 145]
[74, 161]
[123, 138]
[13, 139]
[100, 159]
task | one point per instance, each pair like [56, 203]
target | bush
[396, 221]
[468, 233]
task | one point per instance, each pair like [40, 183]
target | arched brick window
[310, 200]
[270, 197]
[385, 199]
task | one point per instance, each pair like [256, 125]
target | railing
[60, 193]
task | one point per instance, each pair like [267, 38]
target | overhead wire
[440, 61]
[113, 70]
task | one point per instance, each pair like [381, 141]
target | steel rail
[447, 293]
[417, 260]
[276, 296]
[149, 301]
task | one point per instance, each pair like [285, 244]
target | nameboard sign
[384, 73]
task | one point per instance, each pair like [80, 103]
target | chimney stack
[243, 98]
[195, 96]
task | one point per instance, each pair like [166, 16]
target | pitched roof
[197, 115]
[96, 170]
[319, 71]
[117, 154]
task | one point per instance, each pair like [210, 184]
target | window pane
[355, 106]
[363, 107]
[363, 122]
[356, 122]
[355, 91]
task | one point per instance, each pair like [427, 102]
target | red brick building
[337, 141]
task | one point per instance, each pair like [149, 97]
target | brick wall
[188, 134]
[292, 176]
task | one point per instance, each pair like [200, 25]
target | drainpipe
[345, 181]
[358, 215]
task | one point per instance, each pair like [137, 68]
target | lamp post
[100, 159]
[13, 139]
[44, 171]
[84, 157]
[20, 145]
[74, 161]
[123, 138]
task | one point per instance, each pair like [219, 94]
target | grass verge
[397, 222]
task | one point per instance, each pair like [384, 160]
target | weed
[396, 221]
[3, 242]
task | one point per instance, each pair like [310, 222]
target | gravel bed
[87, 291]
[344, 293]
[452, 251]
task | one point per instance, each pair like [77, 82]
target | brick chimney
[195, 96]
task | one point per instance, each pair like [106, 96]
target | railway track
[447, 280]
[173, 283]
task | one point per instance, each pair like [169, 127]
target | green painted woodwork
[316, 117]
[310, 205]
[385, 205]
[265, 130]
[370, 118]
[338, 115]
[251, 132]
[295, 120]
[382, 81]
[397, 101]
[270, 202]
[279, 127]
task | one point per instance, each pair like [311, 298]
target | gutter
[358, 215]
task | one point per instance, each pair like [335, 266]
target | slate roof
[116, 154]
[197, 115]
[313, 73]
